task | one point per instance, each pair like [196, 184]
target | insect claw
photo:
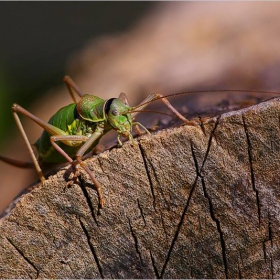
[73, 178]
[205, 119]
[191, 123]
[101, 203]
[153, 128]
[119, 140]
[70, 183]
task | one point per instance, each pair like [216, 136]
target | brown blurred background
[134, 47]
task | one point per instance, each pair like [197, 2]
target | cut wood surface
[188, 202]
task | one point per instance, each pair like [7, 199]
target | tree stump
[189, 202]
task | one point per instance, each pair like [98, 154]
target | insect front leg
[97, 134]
[137, 124]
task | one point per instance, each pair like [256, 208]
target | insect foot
[192, 122]
[133, 142]
[73, 178]
[93, 179]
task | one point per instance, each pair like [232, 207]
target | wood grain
[188, 202]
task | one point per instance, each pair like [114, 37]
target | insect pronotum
[76, 128]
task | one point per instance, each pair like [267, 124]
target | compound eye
[115, 112]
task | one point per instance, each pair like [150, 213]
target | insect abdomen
[61, 119]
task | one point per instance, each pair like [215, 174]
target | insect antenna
[151, 111]
[204, 91]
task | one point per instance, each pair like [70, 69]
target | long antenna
[151, 111]
[205, 91]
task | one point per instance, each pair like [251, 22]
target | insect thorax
[91, 108]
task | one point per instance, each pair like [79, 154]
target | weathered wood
[187, 202]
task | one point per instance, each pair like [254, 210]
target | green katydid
[75, 129]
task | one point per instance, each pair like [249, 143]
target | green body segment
[91, 108]
[74, 119]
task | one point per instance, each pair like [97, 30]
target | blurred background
[131, 47]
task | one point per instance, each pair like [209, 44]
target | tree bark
[189, 202]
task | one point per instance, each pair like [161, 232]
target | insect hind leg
[71, 85]
[16, 108]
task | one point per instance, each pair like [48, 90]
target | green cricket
[77, 128]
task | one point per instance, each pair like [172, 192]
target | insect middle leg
[70, 140]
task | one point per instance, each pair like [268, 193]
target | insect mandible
[76, 128]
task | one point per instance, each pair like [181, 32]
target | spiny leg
[97, 134]
[16, 110]
[88, 143]
[46, 126]
[72, 85]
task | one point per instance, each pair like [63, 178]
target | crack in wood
[136, 243]
[141, 212]
[271, 268]
[163, 225]
[264, 251]
[270, 234]
[154, 266]
[201, 124]
[250, 157]
[88, 200]
[159, 189]
[92, 248]
[24, 257]
[218, 225]
[142, 153]
[212, 134]
[180, 224]
[211, 209]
